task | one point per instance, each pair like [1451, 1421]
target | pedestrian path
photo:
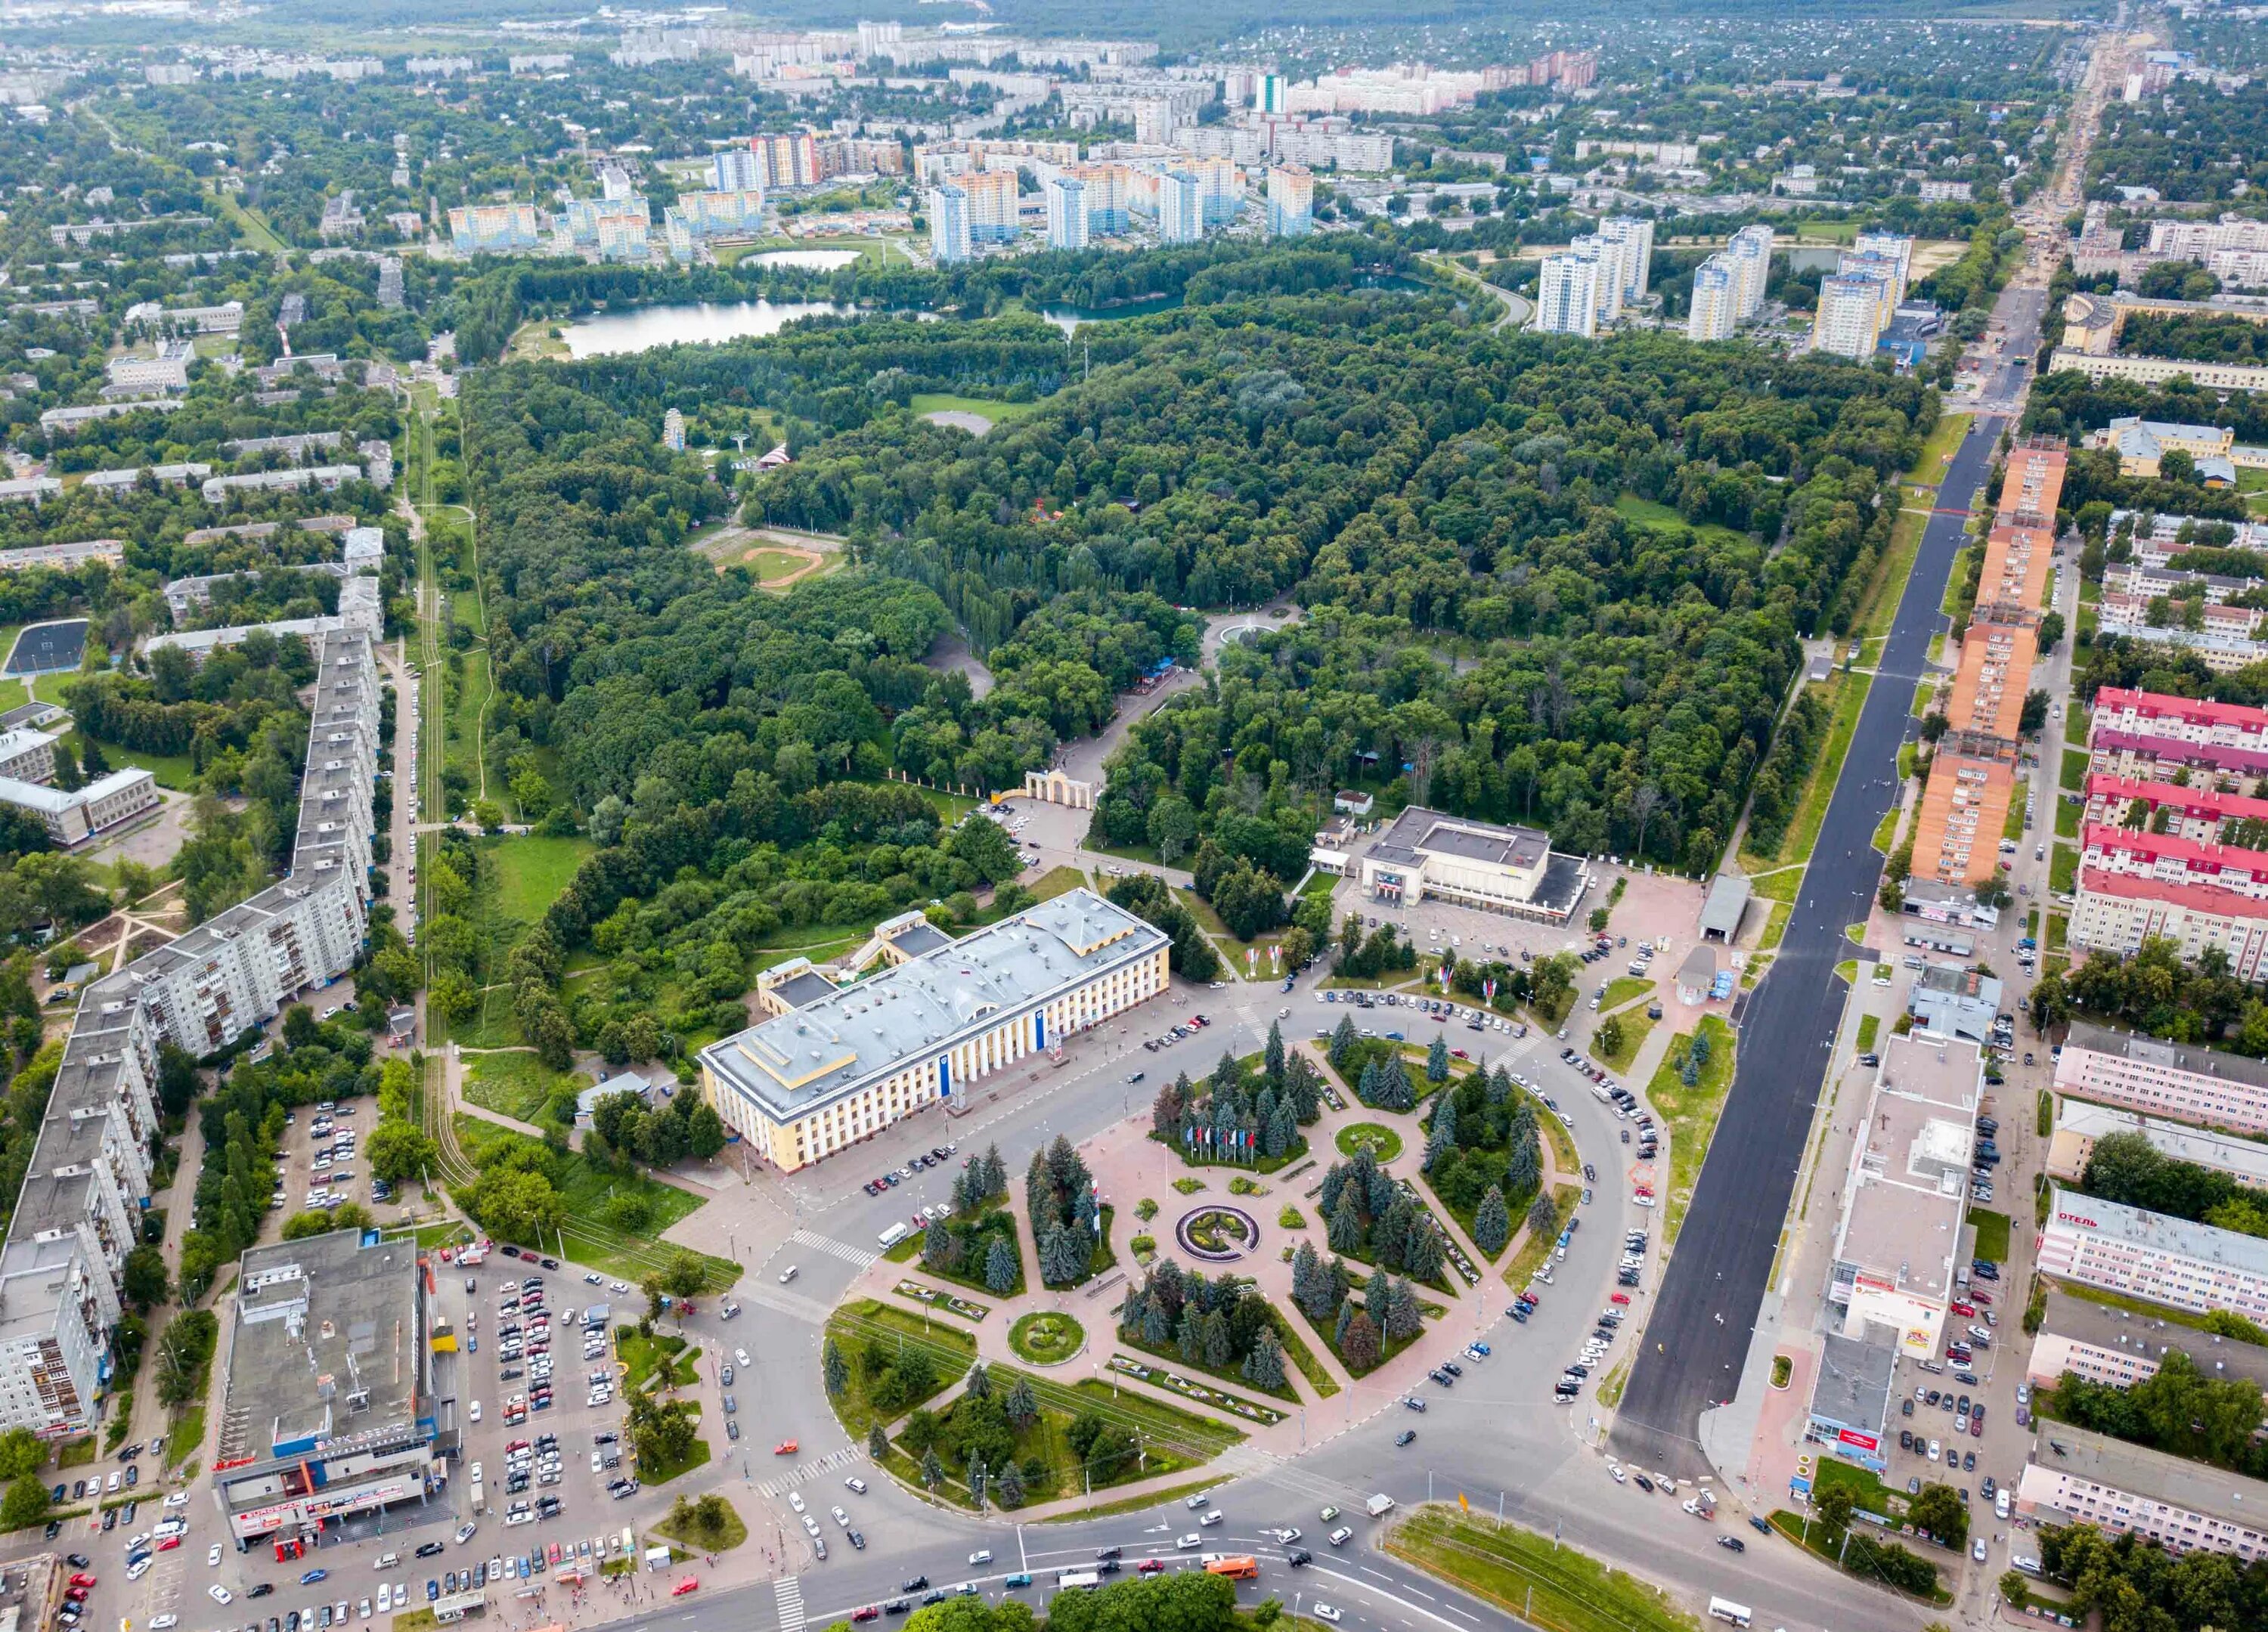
[857, 1256]
[787, 1592]
[812, 1469]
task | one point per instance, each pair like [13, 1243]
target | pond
[809, 260]
[611, 334]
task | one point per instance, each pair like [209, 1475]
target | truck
[480, 1503]
[1379, 1505]
[1078, 1578]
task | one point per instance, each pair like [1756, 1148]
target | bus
[1078, 1578]
[892, 1236]
[1237, 1569]
[1725, 1610]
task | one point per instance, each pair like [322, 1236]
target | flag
[1463, 1505]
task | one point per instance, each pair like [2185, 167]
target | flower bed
[1267, 1416]
[1047, 1337]
[1218, 1234]
[950, 1302]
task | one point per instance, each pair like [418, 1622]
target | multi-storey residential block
[1291, 202]
[1567, 295]
[1180, 207]
[1716, 306]
[948, 224]
[2180, 1082]
[1066, 213]
[2154, 1257]
[495, 229]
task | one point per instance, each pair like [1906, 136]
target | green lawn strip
[1543, 1582]
[461, 726]
[1955, 603]
[515, 1084]
[186, 1435]
[733, 1533]
[1923, 693]
[1296, 1347]
[2058, 933]
[2011, 825]
[1869, 1027]
[646, 1359]
[532, 872]
[2067, 819]
[1778, 885]
[1819, 785]
[1992, 1233]
[865, 1323]
[1625, 988]
[1635, 1025]
[1691, 1114]
[2062, 868]
[1168, 1355]
[1538, 1245]
[1887, 587]
[1173, 1495]
[926, 402]
[1886, 831]
[662, 1473]
[1847, 971]
[1944, 438]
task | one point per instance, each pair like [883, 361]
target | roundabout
[1047, 1337]
[1218, 1234]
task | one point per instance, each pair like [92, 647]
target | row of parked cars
[1189, 1027]
[920, 1164]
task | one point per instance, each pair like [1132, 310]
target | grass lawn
[1543, 1582]
[1625, 988]
[1779, 885]
[1691, 1113]
[1992, 1233]
[890, 1331]
[645, 1358]
[1887, 584]
[186, 1436]
[1168, 1356]
[661, 1473]
[1635, 1027]
[1819, 787]
[1870, 1025]
[468, 694]
[515, 1084]
[2058, 933]
[532, 872]
[1648, 513]
[1955, 603]
[2063, 868]
[1886, 831]
[1944, 438]
[1537, 1247]
[1382, 1140]
[2020, 804]
[1923, 693]
[2067, 821]
[730, 1533]
[926, 402]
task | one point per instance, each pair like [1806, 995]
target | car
[983, 1555]
[1405, 1436]
[313, 1576]
[1184, 1543]
[916, 1584]
[1976, 1550]
[159, 1623]
[1341, 1536]
[464, 1534]
[787, 1447]
[261, 1588]
[856, 1483]
[1732, 1544]
[1935, 1449]
[1322, 1611]
[687, 1585]
[138, 1568]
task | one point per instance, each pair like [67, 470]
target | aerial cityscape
[1181, 818]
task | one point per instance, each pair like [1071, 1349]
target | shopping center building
[1425, 854]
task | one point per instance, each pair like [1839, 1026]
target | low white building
[2079, 1477]
[73, 818]
[1475, 864]
[2148, 1255]
[2179, 1081]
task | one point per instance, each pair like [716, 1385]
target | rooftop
[1728, 899]
[1418, 831]
[327, 1344]
[791, 1064]
[2083, 1320]
[1852, 1388]
[2165, 1056]
[2157, 1233]
[2246, 1158]
[2177, 1481]
[801, 990]
[1908, 1190]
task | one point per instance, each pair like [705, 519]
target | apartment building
[2078, 1126]
[2198, 812]
[1066, 213]
[2135, 884]
[1972, 774]
[1906, 1191]
[2154, 737]
[79, 1212]
[215, 490]
[995, 214]
[1180, 207]
[495, 229]
[2161, 539]
[1716, 304]
[2179, 1082]
[788, 158]
[2148, 1255]
[2194, 241]
[1291, 202]
[948, 224]
[841, 1068]
[1567, 296]
[2118, 1348]
[1751, 253]
[1853, 308]
[2080, 1477]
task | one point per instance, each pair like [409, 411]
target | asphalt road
[1706, 1313]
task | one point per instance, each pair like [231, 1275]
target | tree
[143, 1278]
[834, 1369]
[1610, 1039]
[21, 1452]
[1000, 1266]
[1360, 1346]
[1010, 1490]
[1544, 1217]
[1832, 1505]
[1263, 1367]
[932, 1471]
[26, 1503]
[400, 1151]
[878, 1442]
[1437, 1060]
[1940, 1509]
[1492, 1224]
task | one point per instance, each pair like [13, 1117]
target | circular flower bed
[1046, 1337]
[1384, 1143]
[1218, 1234]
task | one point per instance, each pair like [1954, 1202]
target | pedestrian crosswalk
[787, 1592]
[855, 1255]
[812, 1469]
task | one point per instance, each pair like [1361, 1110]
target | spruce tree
[1403, 1318]
[1345, 1230]
[1343, 1042]
[1272, 1056]
[1263, 1367]
[1000, 1266]
[1437, 1060]
[834, 1368]
[1010, 1488]
[1421, 1254]
[1191, 1335]
[1491, 1222]
[878, 1441]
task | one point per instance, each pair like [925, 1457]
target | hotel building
[845, 1063]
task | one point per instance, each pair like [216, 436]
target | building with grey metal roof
[1514, 871]
[2077, 1477]
[841, 1068]
[2150, 1255]
[2103, 1344]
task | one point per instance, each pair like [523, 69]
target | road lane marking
[787, 1595]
